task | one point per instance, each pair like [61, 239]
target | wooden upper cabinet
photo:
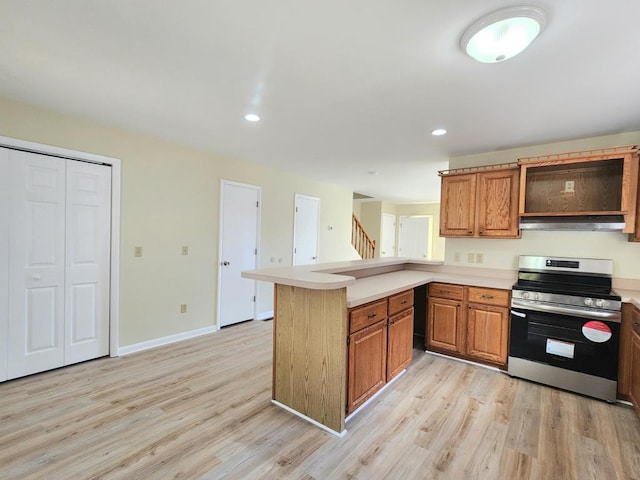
[576, 184]
[498, 204]
[483, 204]
[458, 206]
[635, 236]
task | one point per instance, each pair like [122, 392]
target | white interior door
[4, 262]
[388, 237]
[240, 216]
[36, 265]
[413, 241]
[306, 223]
[88, 251]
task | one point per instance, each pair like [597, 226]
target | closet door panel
[88, 237]
[36, 263]
[4, 261]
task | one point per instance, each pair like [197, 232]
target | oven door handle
[574, 312]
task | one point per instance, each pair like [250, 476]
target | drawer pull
[403, 302]
[372, 315]
[445, 291]
[487, 297]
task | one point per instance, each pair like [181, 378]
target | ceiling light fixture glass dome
[503, 34]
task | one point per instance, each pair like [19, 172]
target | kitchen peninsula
[312, 324]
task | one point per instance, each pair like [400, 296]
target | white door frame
[293, 239]
[114, 163]
[224, 182]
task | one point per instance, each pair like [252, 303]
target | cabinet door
[498, 204]
[630, 314]
[458, 206]
[634, 391]
[400, 343]
[487, 331]
[444, 325]
[367, 364]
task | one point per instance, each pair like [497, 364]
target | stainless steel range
[565, 325]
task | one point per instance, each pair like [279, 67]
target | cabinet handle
[487, 297]
[372, 315]
[403, 302]
[481, 233]
[470, 231]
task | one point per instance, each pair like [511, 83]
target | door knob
[225, 263]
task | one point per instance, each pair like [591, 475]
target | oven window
[559, 340]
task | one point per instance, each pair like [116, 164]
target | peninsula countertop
[369, 280]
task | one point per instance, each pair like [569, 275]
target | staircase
[365, 247]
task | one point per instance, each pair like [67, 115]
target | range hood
[597, 223]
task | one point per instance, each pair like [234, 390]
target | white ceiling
[343, 87]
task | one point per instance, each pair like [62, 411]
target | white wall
[170, 198]
[503, 254]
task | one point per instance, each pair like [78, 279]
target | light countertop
[329, 276]
[388, 276]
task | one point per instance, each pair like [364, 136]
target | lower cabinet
[629, 361]
[487, 332]
[380, 345]
[367, 363]
[468, 322]
[400, 343]
[634, 391]
[444, 329]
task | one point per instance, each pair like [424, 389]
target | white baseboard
[264, 315]
[308, 419]
[158, 342]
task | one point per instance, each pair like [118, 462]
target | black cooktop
[595, 286]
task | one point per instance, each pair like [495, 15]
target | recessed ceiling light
[503, 34]
[252, 117]
[372, 172]
[438, 131]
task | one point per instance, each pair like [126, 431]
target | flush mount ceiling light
[252, 117]
[503, 34]
[438, 131]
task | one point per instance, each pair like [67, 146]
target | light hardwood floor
[201, 409]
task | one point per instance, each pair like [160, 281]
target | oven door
[580, 344]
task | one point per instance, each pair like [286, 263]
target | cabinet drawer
[400, 302]
[366, 315]
[489, 296]
[446, 290]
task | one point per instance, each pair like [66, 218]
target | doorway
[306, 223]
[388, 237]
[413, 236]
[239, 227]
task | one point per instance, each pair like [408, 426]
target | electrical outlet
[479, 257]
[569, 186]
[183, 308]
[456, 257]
[185, 250]
[137, 251]
[471, 258]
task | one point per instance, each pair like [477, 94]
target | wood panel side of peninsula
[310, 353]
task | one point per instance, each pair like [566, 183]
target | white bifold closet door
[59, 251]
